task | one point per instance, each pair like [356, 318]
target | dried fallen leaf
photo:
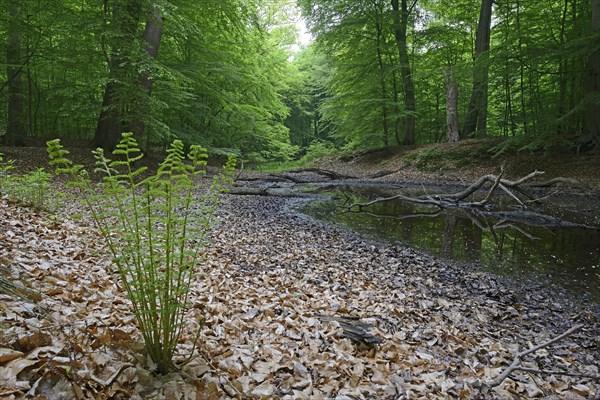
[9, 355]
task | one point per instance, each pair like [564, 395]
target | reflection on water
[568, 256]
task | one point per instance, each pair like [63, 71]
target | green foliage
[154, 226]
[32, 189]
[276, 166]
[425, 157]
[225, 75]
[318, 149]
[520, 144]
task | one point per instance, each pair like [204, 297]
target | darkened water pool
[568, 256]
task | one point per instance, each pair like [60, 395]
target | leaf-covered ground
[268, 277]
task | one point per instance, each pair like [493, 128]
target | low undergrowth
[154, 228]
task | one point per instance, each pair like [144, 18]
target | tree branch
[516, 364]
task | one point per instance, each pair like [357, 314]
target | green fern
[154, 227]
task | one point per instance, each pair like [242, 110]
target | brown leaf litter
[266, 282]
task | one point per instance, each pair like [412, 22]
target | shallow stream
[564, 252]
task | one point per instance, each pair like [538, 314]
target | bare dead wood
[288, 177]
[398, 217]
[511, 194]
[491, 191]
[383, 173]
[417, 200]
[505, 224]
[353, 329]
[458, 199]
[531, 218]
[556, 181]
[518, 358]
[323, 172]
[485, 179]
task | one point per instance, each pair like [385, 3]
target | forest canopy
[230, 75]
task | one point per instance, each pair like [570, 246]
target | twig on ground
[518, 358]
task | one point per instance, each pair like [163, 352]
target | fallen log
[324, 172]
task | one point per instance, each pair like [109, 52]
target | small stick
[516, 364]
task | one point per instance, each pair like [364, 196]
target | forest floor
[464, 162]
[270, 279]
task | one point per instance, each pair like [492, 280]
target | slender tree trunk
[410, 108]
[395, 97]
[382, 83]
[453, 134]
[592, 85]
[562, 67]
[151, 40]
[476, 119]
[15, 132]
[521, 71]
[113, 116]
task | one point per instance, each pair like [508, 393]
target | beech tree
[15, 132]
[476, 118]
[593, 82]
[226, 76]
[400, 28]
[119, 112]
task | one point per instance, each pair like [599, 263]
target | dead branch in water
[458, 199]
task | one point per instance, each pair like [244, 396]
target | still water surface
[568, 256]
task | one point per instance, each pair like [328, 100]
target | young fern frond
[154, 228]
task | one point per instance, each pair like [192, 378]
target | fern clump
[32, 189]
[154, 227]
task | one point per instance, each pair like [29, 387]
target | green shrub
[318, 149]
[154, 228]
[32, 189]
[426, 156]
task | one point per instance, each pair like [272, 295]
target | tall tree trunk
[410, 108]
[15, 132]
[476, 119]
[453, 134]
[524, 116]
[395, 98]
[383, 86]
[562, 74]
[592, 85]
[151, 41]
[113, 118]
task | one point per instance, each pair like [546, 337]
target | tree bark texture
[15, 132]
[453, 134]
[592, 83]
[410, 108]
[476, 119]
